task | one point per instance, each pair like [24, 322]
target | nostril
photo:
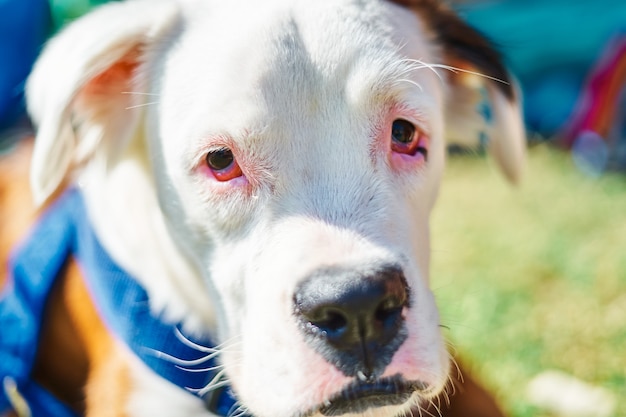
[328, 320]
[389, 311]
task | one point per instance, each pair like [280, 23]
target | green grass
[532, 278]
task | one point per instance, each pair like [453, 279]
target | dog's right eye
[407, 139]
[223, 164]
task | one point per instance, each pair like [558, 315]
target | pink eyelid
[200, 165]
[409, 157]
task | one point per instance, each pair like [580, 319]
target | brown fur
[16, 205]
[78, 360]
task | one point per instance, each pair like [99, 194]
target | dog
[233, 205]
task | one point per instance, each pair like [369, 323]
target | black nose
[354, 318]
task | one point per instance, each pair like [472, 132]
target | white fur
[296, 89]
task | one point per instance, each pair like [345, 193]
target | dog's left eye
[223, 164]
[407, 139]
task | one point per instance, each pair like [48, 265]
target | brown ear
[483, 104]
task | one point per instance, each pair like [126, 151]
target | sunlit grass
[534, 277]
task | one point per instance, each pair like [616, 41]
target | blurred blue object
[550, 46]
[24, 25]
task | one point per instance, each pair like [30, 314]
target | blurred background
[531, 280]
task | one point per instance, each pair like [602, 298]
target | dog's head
[267, 171]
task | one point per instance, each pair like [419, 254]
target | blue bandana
[64, 231]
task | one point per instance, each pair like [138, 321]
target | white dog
[265, 171]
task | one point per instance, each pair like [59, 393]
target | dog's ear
[483, 104]
[78, 92]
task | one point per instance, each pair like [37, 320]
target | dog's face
[305, 185]
[293, 154]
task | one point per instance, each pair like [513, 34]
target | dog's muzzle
[354, 318]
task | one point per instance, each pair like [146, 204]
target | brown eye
[407, 139]
[220, 159]
[402, 132]
[223, 165]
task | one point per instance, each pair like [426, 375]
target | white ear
[479, 113]
[76, 90]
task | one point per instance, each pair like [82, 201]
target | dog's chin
[361, 397]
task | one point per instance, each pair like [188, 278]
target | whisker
[432, 405]
[422, 64]
[439, 401]
[448, 392]
[140, 93]
[452, 349]
[213, 385]
[211, 368]
[234, 411]
[179, 361]
[184, 340]
[456, 69]
[239, 411]
[141, 105]
[216, 349]
[412, 82]
[419, 408]
[419, 64]
[458, 369]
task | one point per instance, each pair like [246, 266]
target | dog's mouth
[361, 396]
